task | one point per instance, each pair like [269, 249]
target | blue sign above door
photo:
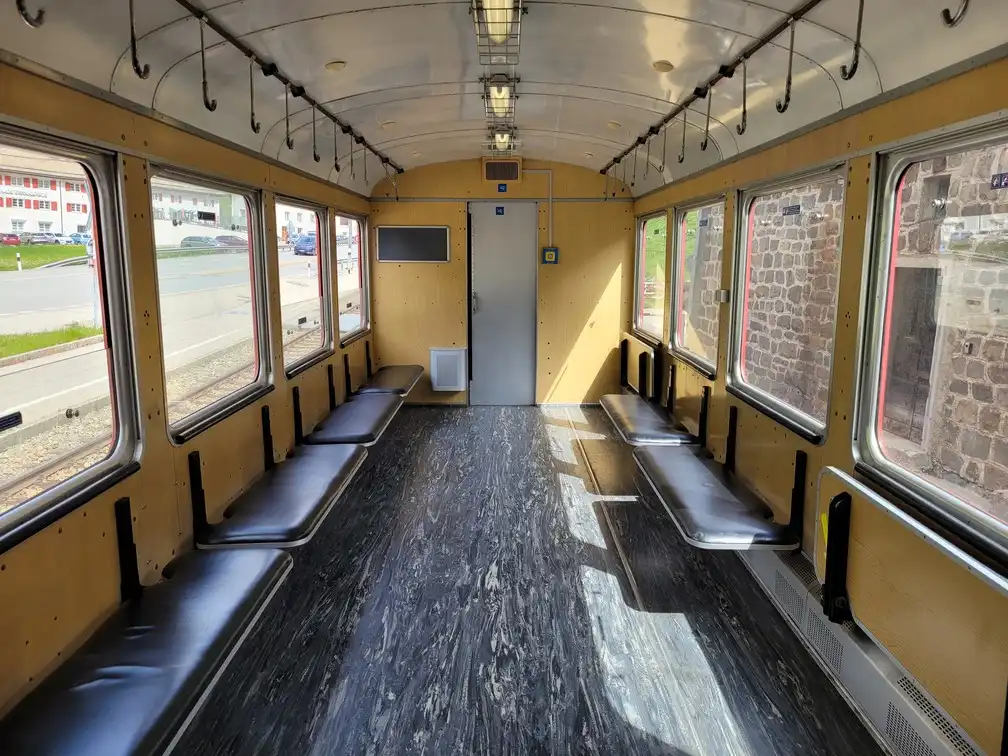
[501, 188]
[500, 210]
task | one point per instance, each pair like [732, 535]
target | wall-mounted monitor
[413, 244]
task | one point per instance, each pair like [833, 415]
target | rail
[995, 580]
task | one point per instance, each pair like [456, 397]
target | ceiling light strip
[724, 72]
[270, 69]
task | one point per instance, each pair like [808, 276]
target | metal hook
[664, 149]
[353, 173]
[847, 73]
[706, 136]
[783, 106]
[34, 22]
[633, 178]
[256, 126]
[605, 186]
[365, 168]
[682, 152]
[647, 161]
[947, 18]
[288, 141]
[209, 104]
[740, 129]
[624, 173]
[141, 72]
[314, 144]
[335, 145]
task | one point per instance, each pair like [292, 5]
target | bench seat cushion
[291, 501]
[134, 685]
[711, 510]
[393, 379]
[361, 420]
[639, 422]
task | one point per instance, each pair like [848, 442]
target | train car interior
[504, 377]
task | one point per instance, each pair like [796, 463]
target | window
[45, 227]
[304, 290]
[77, 423]
[938, 396]
[650, 294]
[698, 277]
[791, 271]
[15, 202]
[351, 262]
[212, 306]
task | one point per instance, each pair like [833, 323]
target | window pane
[789, 310]
[651, 276]
[302, 304]
[54, 364]
[352, 264]
[206, 293]
[944, 393]
[701, 233]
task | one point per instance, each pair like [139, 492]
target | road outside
[207, 336]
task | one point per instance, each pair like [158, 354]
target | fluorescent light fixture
[498, 16]
[500, 99]
[502, 140]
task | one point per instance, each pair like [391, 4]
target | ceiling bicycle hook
[947, 18]
[209, 104]
[664, 149]
[256, 126]
[142, 72]
[783, 106]
[33, 21]
[647, 159]
[335, 145]
[288, 141]
[682, 152]
[847, 72]
[740, 128]
[314, 144]
[706, 136]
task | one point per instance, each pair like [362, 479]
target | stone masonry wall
[699, 319]
[794, 266]
[968, 403]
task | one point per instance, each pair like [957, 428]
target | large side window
[788, 304]
[66, 415]
[210, 295]
[351, 262]
[304, 282]
[650, 295]
[941, 375]
[699, 248]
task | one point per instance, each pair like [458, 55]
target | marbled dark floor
[467, 597]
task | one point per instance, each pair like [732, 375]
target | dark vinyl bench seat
[290, 502]
[709, 508]
[393, 379]
[137, 682]
[639, 422]
[360, 420]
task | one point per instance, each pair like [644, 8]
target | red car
[10, 240]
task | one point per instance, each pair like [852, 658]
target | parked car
[199, 241]
[43, 238]
[26, 237]
[63, 239]
[306, 245]
[10, 240]
[81, 238]
[232, 241]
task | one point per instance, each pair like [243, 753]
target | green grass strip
[19, 343]
[37, 255]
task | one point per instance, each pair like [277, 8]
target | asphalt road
[206, 307]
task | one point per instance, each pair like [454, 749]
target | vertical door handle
[475, 302]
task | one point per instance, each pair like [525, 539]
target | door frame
[469, 288]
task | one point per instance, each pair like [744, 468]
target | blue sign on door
[500, 210]
[501, 188]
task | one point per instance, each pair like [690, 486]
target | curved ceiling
[411, 85]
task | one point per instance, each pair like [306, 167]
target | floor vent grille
[801, 567]
[789, 598]
[904, 736]
[939, 720]
[824, 641]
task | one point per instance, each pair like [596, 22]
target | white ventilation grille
[904, 736]
[789, 598]
[448, 369]
[938, 719]
[801, 567]
[827, 644]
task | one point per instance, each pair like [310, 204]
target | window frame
[805, 426]
[646, 336]
[105, 177]
[975, 526]
[324, 253]
[708, 370]
[192, 425]
[364, 251]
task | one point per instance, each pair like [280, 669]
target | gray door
[503, 306]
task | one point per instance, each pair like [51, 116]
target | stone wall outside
[698, 321]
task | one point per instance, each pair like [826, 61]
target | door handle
[475, 302]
